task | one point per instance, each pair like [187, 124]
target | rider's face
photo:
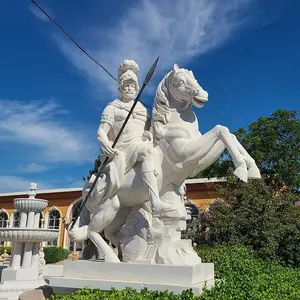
[129, 90]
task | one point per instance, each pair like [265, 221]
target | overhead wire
[78, 45]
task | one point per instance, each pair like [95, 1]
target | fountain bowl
[28, 204]
[28, 234]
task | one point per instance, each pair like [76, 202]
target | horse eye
[181, 82]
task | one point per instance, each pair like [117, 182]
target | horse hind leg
[99, 242]
[112, 230]
[99, 222]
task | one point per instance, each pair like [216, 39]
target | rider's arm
[107, 121]
[102, 133]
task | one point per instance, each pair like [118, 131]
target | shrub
[253, 215]
[2, 250]
[126, 294]
[244, 276]
[55, 254]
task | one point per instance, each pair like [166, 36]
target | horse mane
[161, 111]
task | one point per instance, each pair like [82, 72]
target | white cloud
[38, 14]
[18, 184]
[33, 168]
[175, 30]
[37, 124]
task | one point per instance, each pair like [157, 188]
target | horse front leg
[201, 146]
[209, 158]
[253, 171]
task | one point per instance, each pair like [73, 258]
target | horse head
[184, 88]
[178, 90]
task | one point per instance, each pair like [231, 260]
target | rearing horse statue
[119, 204]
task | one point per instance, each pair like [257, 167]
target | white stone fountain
[24, 272]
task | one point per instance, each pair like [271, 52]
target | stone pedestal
[104, 276]
[16, 281]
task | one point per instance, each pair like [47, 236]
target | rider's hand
[148, 135]
[109, 150]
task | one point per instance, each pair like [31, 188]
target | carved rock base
[162, 244]
[104, 276]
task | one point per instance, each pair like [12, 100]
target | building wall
[60, 201]
[201, 194]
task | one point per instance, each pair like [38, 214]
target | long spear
[103, 164]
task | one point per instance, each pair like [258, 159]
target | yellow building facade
[65, 203]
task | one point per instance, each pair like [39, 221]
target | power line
[78, 45]
[73, 40]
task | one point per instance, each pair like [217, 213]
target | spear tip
[151, 71]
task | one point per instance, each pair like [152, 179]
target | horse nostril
[196, 92]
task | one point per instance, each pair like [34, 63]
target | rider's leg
[149, 176]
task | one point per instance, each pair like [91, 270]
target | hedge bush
[55, 254]
[241, 276]
[2, 250]
[244, 276]
[126, 294]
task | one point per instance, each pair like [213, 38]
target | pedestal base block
[104, 276]
[17, 281]
[20, 274]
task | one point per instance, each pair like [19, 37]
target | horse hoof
[241, 173]
[254, 173]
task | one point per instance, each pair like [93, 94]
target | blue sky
[245, 53]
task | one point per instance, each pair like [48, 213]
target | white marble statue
[138, 201]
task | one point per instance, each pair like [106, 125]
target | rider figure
[135, 141]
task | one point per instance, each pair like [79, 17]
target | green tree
[97, 164]
[254, 215]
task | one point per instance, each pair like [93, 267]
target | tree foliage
[97, 164]
[254, 215]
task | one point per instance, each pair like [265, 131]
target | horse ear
[191, 72]
[175, 68]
